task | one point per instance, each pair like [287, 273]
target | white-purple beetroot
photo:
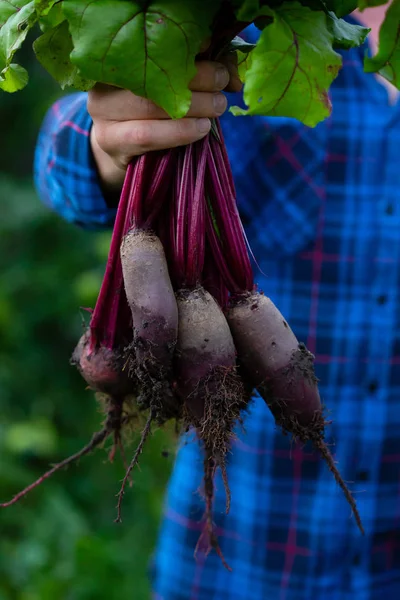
[102, 368]
[154, 319]
[208, 383]
[282, 370]
[277, 365]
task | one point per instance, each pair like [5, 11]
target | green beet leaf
[246, 10]
[52, 18]
[14, 79]
[387, 60]
[341, 8]
[9, 8]
[50, 13]
[148, 48]
[53, 50]
[362, 4]
[292, 67]
[244, 64]
[346, 35]
[13, 33]
[43, 7]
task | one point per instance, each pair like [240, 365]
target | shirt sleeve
[65, 173]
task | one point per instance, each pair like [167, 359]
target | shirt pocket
[279, 173]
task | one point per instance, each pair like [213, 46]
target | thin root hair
[145, 433]
[327, 456]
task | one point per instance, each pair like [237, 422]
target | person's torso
[321, 209]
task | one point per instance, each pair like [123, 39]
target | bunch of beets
[180, 331]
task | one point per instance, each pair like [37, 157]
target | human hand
[125, 125]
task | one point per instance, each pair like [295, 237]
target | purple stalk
[111, 319]
[184, 177]
[104, 319]
[225, 157]
[134, 215]
[196, 220]
[212, 280]
[227, 218]
[219, 256]
[174, 263]
[159, 187]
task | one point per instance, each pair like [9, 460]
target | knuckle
[185, 129]
[92, 103]
[141, 135]
[103, 138]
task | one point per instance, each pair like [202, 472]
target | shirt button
[363, 475]
[389, 209]
[372, 386]
[356, 559]
[382, 299]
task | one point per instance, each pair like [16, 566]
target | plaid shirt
[322, 212]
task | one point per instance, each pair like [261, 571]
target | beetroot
[282, 370]
[102, 369]
[154, 320]
[210, 387]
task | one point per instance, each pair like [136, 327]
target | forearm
[65, 172]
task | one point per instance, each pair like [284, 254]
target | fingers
[113, 104]
[124, 140]
[125, 125]
[231, 63]
[210, 77]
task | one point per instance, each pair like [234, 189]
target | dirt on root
[156, 392]
[224, 400]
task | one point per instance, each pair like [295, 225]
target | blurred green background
[60, 542]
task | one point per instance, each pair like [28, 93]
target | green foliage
[14, 31]
[293, 60]
[14, 79]
[246, 10]
[346, 35]
[150, 48]
[53, 50]
[61, 542]
[363, 4]
[387, 60]
[342, 7]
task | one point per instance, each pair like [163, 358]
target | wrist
[111, 175]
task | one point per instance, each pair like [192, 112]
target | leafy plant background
[61, 542]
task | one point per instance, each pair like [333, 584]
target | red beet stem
[218, 254]
[143, 194]
[187, 216]
[222, 199]
[223, 155]
[135, 209]
[160, 186]
[109, 306]
[182, 200]
[212, 280]
[174, 256]
[196, 219]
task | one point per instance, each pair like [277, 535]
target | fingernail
[221, 78]
[203, 125]
[219, 103]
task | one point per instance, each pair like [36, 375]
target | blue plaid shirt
[322, 212]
